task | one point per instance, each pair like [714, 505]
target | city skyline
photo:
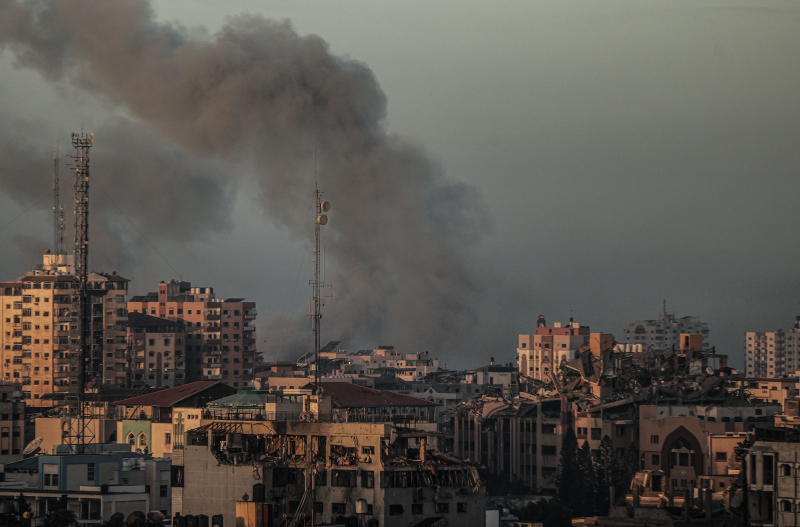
[611, 156]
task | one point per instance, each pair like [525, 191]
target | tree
[585, 486]
[567, 475]
[60, 518]
[551, 513]
[606, 475]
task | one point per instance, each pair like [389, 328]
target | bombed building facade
[372, 466]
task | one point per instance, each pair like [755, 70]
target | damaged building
[375, 470]
[682, 410]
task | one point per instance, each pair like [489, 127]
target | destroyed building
[678, 408]
[373, 468]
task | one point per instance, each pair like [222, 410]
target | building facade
[665, 332]
[772, 353]
[543, 352]
[220, 339]
[39, 332]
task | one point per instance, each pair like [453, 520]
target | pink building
[541, 353]
[220, 334]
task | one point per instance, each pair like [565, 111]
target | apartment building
[93, 486]
[771, 473]
[543, 352]
[665, 332]
[156, 348]
[220, 342]
[367, 473]
[39, 331]
[772, 353]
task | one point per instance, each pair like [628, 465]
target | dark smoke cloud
[142, 189]
[254, 94]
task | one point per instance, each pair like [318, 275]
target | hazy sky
[615, 154]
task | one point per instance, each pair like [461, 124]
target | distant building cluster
[167, 338]
[184, 421]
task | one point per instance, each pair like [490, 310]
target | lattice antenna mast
[59, 247]
[82, 356]
[317, 285]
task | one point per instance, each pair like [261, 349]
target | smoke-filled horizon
[493, 162]
[201, 113]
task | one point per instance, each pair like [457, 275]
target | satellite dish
[116, 518]
[34, 446]
[155, 516]
[138, 450]
[326, 206]
[136, 519]
[322, 219]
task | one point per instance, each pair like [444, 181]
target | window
[548, 450]
[548, 429]
[164, 491]
[343, 478]
[90, 472]
[443, 508]
[416, 508]
[721, 456]
[786, 470]
[367, 479]
[167, 438]
[786, 506]
[581, 431]
[394, 510]
[461, 506]
[621, 431]
[653, 439]
[683, 459]
[338, 508]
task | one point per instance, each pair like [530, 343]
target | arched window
[142, 440]
[131, 439]
[786, 506]
[786, 470]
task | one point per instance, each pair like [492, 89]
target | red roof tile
[170, 396]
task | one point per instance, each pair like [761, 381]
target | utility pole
[81, 433]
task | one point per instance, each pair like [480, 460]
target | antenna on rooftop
[80, 429]
[317, 282]
[59, 247]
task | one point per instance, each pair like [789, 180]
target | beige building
[771, 469]
[39, 329]
[359, 470]
[687, 442]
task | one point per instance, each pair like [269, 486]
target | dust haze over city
[485, 163]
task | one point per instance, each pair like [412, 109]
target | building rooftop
[170, 396]
[348, 395]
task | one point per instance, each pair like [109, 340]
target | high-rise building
[665, 332]
[543, 352]
[157, 351]
[220, 334]
[772, 353]
[39, 330]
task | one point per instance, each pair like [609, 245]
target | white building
[665, 332]
[772, 353]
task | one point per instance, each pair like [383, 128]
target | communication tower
[317, 280]
[81, 432]
[59, 247]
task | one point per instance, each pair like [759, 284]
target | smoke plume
[249, 97]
